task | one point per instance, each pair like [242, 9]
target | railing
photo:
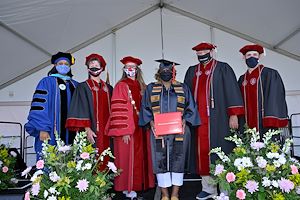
[20, 136]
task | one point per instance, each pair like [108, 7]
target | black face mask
[252, 62]
[166, 75]
[94, 71]
[204, 58]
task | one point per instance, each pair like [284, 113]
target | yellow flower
[295, 179]
[239, 151]
[270, 168]
[64, 181]
[274, 147]
[89, 149]
[64, 198]
[278, 196]
[100, 181]
[242, 176]
[3, 153]
[71, 164]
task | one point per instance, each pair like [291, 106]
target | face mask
[63, 69]
[204, 58]
[130, 72]
[165, 75]
[94, 71]
[252, 62]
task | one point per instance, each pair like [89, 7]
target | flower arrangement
[71, 172]
[257, 169]
[7, 163]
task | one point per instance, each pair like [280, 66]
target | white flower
[271, 155]
[13, 154]
[36, 174]
[26, 171]
[46, 194]
[64, 149]
[276, 163]
[78, 166]
[112, 167]
[222, 197]
[1, 163]
[87, 166]
[261, 162]
[14, 180]
[298, 190]
[275, 184]
[257, 145]
[52, 197]
[54, 177]
[266, 182]
[282, 159]
[52, 190]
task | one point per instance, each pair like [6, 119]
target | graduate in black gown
[169, 152]
[263, 93]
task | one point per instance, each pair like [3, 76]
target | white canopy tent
[32, 30]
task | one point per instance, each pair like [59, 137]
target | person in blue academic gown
[50, 104]
[169, 152]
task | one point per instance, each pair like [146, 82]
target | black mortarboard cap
[166, 63]
[59, 55]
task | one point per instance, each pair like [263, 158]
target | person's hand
[90, 135]
[44, 135]
[183, 126]
[152, 127]
[233, 122]
[126, 139]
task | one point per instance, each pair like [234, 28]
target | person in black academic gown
[217, 95]
[90, 106]
[263, 93]
[169, 152]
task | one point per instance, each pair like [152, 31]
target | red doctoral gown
[134, 158]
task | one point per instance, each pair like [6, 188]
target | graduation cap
[97, 57]
[166, 63]
[204, 46]
[131, 59]
[62, 56]
[252, 47]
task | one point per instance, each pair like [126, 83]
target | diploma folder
[168, 123]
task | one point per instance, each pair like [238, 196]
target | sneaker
[204, 195]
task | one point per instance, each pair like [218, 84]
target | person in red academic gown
[131, 149]
[263, 93]
[90, 105]
[218, 97]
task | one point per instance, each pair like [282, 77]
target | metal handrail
[18, 136]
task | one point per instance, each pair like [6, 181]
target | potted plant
[257, 169]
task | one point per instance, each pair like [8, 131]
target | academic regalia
[169, 153]
[264, 96]
[133, 158]
[217, 95]
[49, 109]
[90, 107]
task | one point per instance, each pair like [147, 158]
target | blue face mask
[63, 69]
[252, 62]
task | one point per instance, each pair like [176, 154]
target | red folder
[168, 123]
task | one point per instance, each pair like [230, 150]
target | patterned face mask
[130, 72]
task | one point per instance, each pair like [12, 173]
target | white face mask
[130, 72]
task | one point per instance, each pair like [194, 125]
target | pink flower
[252, 186]
[294, 169]
[240, 194]
[85, 155]
[40, 164]
[286, 185]
[27, 196]
[112, 167]
[35, 189]
[4, 169]
[219, 169]
[82, 185]
[230, 177]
